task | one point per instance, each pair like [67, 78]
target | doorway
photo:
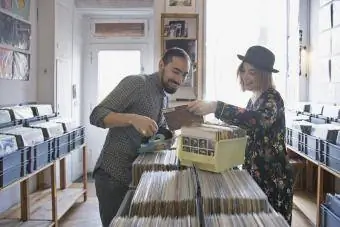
[107, 65]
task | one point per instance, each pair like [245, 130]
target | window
[118, 29]
[230, 29]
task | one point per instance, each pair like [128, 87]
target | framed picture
[180, 6]
[6, 63]
[21, 66]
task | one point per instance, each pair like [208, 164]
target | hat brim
[241, 57]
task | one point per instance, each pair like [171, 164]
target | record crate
[209, 155]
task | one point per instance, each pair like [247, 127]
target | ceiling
[114, 3]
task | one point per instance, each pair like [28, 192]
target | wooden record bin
[213, 156]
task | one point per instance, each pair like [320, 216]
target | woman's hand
[200, 107]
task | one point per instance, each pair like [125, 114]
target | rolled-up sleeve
[126, 93]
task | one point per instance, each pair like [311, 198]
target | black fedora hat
[260, 57]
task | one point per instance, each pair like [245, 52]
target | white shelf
[9, 47]
[14, 16]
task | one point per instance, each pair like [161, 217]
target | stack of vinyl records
[154, 221]
[49, 129]
[231, 192]
[41, 109]
[213, 132]
[68, 124]
[20, 112]
[5, 116]
[166, 194]
[254, 219]
[260, 219]
[26, 137]
[165, 160]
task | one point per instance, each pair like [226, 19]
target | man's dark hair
[174, 52]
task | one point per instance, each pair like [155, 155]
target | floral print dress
[265, 157]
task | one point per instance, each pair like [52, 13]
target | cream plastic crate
[225, 155]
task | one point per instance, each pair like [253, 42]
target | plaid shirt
[139, 94]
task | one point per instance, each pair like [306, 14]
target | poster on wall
[21, 66]
[180, 6]
[6, 29]
[6, 63]
[20, 8]
[6, 4]
[22, 35]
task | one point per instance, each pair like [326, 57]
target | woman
[264, 120]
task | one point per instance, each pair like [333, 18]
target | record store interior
[169, 113]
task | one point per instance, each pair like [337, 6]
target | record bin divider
[199, 205]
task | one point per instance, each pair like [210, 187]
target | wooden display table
[44, 208]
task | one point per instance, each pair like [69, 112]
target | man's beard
[167, 88]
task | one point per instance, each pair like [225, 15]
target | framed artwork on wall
[15, 38]
[19, 8]
[21, 66]
[180, 6]
[6, 63]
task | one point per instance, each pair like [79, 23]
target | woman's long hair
[264, 79]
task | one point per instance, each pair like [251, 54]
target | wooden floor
[86, 214]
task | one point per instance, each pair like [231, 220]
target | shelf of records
[314, 131]
[31, 137]
[15, 38]
[181, 30]
[193, 197]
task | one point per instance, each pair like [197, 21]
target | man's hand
[145, 125]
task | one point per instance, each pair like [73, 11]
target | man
[132, 111]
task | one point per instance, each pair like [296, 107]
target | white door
[64, 87]
[108, 64]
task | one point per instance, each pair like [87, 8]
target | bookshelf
[182, 30]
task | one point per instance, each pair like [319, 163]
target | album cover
[179, 116]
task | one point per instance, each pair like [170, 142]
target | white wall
[15, 91]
